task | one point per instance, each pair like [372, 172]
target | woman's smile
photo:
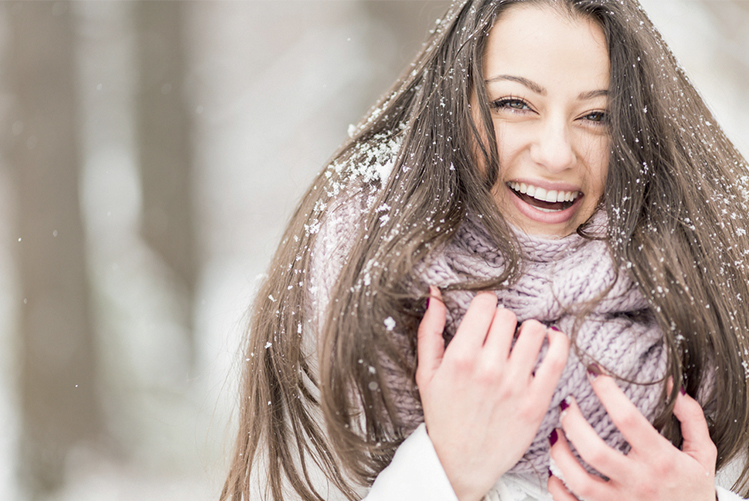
[547, 79]
[552, 204]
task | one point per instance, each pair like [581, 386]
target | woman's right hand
[482, 400]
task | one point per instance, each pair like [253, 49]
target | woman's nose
[552, 148]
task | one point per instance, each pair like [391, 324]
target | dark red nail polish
[594, 370]
[682, 391]
[428, 302]
[553, 437]
[550, 473]
[564, 405]
[554, 328]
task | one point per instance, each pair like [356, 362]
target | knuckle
[501, 390]
[423, 331]
[585, 491]
[555, 362]
[533, 326]
[531, 412]
[713, 449]
[645, 490]
[507, 315]
[427, 328]
[696, 414]
[463, 361]
[628, 419]
[597, 456]
[581, 485]
[663, 465]
[420, 377]
[494, 372]
[484, 300]
[489, 375]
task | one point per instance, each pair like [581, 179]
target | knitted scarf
[558, 277]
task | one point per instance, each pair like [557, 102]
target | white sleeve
[726, 477]
[726, 495]
[415, 474]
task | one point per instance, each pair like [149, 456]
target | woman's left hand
[652, 470]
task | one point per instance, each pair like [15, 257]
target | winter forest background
[150, 154]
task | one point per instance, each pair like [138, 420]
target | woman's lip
[547, 185]
[534, 214]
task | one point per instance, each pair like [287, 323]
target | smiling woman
[548, 157]
[547, 75]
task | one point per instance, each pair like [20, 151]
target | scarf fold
[558, 277]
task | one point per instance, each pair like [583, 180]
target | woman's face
[547, 78]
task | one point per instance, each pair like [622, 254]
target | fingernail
[564, 404]
[428, 302]
[550, 473]
[553, 437]
[682, 391]
[554, 328]
[594, 370]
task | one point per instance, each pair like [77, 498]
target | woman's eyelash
[517, 104]
[598, 117]
[510, 102]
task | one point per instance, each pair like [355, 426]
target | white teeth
[543, 195]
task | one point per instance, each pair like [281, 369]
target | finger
[558, 491]
[697, 442]
[475, 324]
[552, 366]
[430, 344]
[524, 354]
[628, 419]
[590, 446]
[581, 483]
[499, 339]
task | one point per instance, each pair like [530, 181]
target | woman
[551, 152]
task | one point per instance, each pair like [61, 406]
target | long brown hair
[676, 199]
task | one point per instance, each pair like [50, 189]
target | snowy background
[150, 154]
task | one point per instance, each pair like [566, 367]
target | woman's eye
[596, 116]
[513, 104]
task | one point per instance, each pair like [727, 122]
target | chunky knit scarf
[558, 277]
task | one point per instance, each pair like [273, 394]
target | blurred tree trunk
[58, 390]
[164, 142]
[409, 23]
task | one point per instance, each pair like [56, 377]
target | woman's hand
[482, 402]
[653, 470]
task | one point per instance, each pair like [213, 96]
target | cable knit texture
[558, 277]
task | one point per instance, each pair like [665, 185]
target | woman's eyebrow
[523, 81]
[538, 89]
[583, 96]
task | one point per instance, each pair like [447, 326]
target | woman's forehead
[547, 46]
